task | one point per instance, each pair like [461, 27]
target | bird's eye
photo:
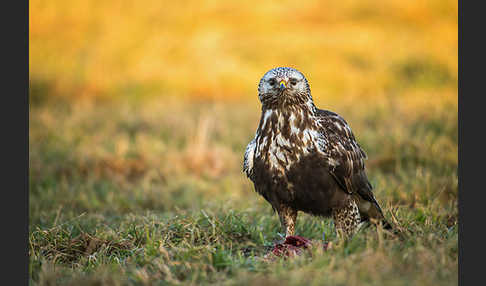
[272, 82]
[293, 81]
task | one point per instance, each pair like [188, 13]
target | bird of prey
[306, 159]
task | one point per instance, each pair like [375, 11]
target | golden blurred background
[347, 49]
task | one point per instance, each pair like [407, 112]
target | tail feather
[371, 210]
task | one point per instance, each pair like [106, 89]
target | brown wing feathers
[346, 159]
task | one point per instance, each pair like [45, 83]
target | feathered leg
[346, 219]
[288, 217]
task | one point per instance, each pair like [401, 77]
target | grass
[152, 193]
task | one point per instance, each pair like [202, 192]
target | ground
[151, 192]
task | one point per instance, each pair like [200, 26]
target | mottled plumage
[306, 159]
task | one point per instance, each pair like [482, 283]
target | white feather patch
[249, 155]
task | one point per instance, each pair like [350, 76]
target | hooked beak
[282, 85]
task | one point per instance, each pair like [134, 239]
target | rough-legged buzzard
[306, 159]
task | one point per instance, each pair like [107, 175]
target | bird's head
[284, 86]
